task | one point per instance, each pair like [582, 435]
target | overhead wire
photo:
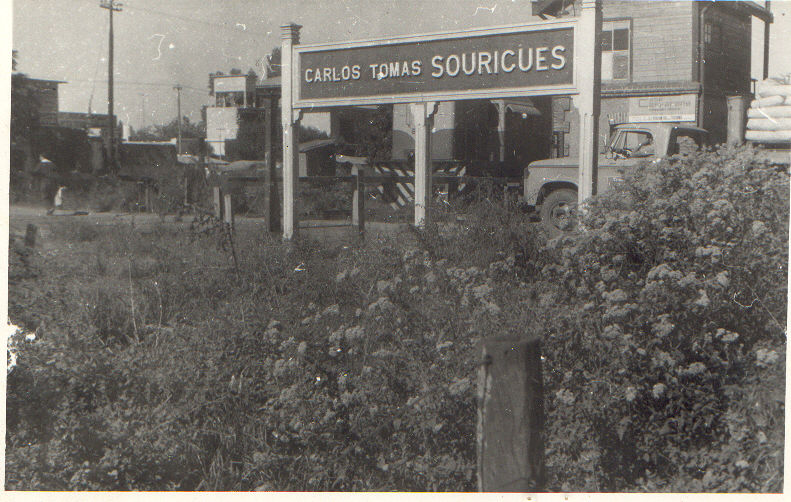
[130, 82]
[226, 26]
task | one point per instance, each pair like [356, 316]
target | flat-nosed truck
[550, 185]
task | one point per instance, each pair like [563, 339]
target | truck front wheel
[558, 211]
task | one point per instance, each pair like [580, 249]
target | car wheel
[558, 211]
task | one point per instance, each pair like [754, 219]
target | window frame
[609, 25]
[619, 141]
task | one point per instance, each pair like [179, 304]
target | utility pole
[111, 6]
[178, 106]
[768, 6]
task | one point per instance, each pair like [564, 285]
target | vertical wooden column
[186, 186]
[737, 118]
[228, 205]
[510, 416]
[289, 38]
[149, 208]
[588, 61]
[358, 199]
[217, 202]
[500, 104]
[268, 188]
[423, 116]
[268, 123]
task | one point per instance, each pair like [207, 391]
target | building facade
[664, 61]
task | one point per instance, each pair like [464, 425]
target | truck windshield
[634, 144]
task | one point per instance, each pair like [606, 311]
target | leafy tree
[24, 117]
[170, 130]
[273, 68]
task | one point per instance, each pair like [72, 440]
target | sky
[159, 44]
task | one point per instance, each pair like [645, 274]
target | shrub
[665, 324]
[351, 368]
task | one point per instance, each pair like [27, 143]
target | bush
[665, 327]
[158, 366]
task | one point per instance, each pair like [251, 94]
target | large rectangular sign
[236, 83]
[680, 108]
[449, 66]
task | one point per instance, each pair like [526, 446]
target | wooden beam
[423, 118]
[588, 61]
[289, 38]
[217, 202]
[358, 199]
[228, 209]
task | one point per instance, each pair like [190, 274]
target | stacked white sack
[769, 116]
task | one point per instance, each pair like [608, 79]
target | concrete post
[289, 38]
[423, 117]
[588, 61]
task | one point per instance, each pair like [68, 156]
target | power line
[226, 26]
[131, 82]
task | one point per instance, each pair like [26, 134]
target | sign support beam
[589, 67]
[423, 115]
[289, 38]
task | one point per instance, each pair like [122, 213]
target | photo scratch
[159, 46]
[490, 9]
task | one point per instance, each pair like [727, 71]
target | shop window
[615, 51]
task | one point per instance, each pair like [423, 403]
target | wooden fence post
[30, 235]
[217, 199]
[358, 199]
[510, 416]
[267, 196]
[148, 196]
[228, 209]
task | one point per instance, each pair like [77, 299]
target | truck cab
[550, 185]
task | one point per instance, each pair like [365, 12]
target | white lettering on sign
[332, 74]
[395, 69]
[490, 63]
[560, 58]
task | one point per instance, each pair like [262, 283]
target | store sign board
[679, 108]
[449, 65]
[230, 84]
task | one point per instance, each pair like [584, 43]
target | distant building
[92, 123]
[664, 61]
[97, 127]
[46, 94]
[231, 93]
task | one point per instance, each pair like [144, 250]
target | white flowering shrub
[665, 330]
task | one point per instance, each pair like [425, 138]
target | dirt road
[332, 231]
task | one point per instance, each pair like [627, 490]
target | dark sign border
[440, 95]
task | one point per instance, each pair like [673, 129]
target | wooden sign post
[589, 67]
[290, 118]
